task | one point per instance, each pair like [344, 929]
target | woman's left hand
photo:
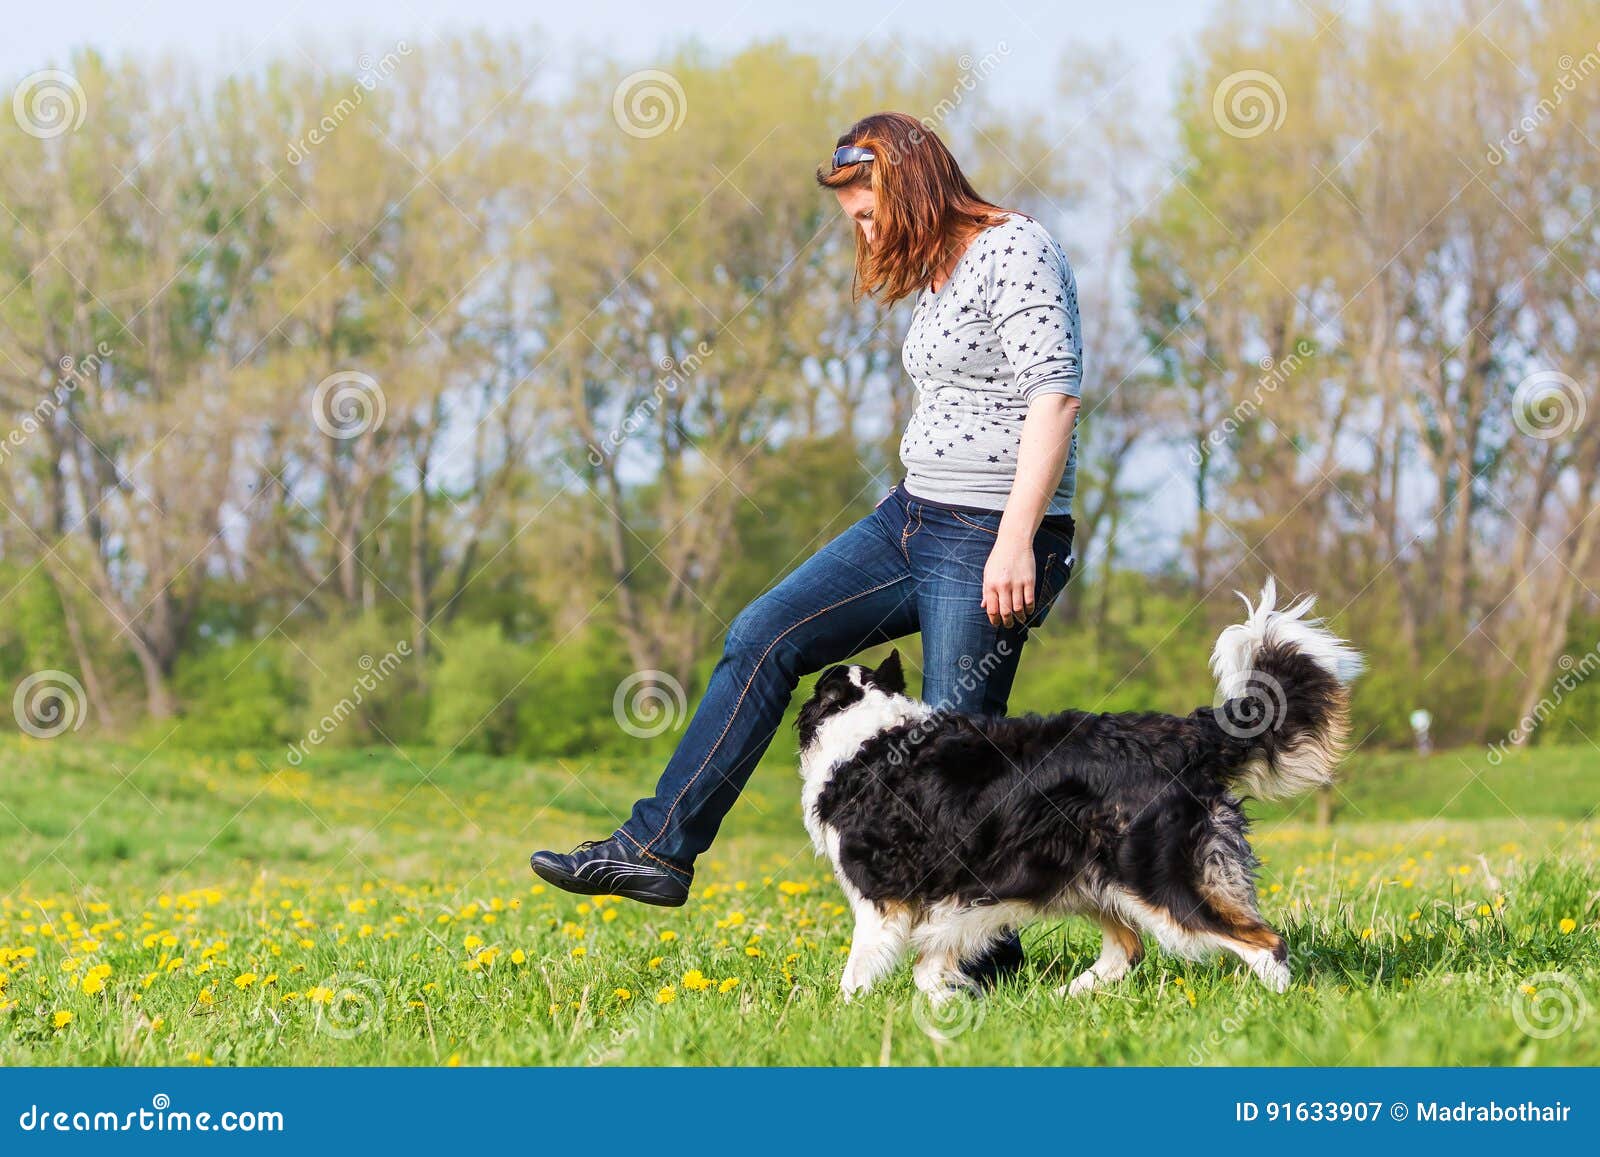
[1009, 581]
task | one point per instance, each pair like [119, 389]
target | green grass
[389, 901]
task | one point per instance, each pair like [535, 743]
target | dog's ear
[889, 675]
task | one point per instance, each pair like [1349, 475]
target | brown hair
[927, 209]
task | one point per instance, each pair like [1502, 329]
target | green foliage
[568, 705]
[239, 696]
[363, 685]
[476, 689]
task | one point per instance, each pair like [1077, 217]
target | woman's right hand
[1009, 581]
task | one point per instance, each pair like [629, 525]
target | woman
[969, 550]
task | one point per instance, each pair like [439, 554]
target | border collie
[945, 831]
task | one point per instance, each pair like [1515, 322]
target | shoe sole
[583, 888]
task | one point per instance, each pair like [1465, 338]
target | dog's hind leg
[880, 939]
[1245, 934]
[1262, 949]
[1227, 887]
[1120, 949]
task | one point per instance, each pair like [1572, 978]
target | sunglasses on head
[851, 155]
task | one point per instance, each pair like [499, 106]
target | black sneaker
[1001, 961]
[611, 867]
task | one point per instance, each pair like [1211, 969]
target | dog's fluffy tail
[1283, 697]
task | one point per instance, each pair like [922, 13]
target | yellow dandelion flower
[244, 980]
[1568, 925]
[622, 994]
[61, 1019]
[580, 950]
[696, 981]
[655, 962]
[752, 950]
[667, 995]
[1366, 934]
[668, 936]
[519, 957]
[728, 985]
[93, 985]
[472, 942]
[1485, 910]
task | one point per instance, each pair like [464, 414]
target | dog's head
[841, 687]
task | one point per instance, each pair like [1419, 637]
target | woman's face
[860, 203]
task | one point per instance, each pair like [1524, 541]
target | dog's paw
[850, 987]
[943, 994]
[1081, 985]
[1274, 974]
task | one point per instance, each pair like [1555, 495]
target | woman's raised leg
[855, 592]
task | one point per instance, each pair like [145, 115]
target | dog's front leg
[879, 940]
[938, 974]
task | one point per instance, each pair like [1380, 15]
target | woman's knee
[764, 633]
[754, 631]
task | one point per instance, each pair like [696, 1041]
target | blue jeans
[908, 566]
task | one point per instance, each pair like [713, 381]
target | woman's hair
[926, 206]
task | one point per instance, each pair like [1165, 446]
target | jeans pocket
[1053, 578]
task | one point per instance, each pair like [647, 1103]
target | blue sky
[1040, 34]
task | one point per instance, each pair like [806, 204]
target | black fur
[1039, 809]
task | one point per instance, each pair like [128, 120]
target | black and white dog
[945, 830]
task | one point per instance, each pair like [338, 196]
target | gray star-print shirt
[1002, 331]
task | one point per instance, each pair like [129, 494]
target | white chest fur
[839, 738]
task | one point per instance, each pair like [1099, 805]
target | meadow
[376, 908]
